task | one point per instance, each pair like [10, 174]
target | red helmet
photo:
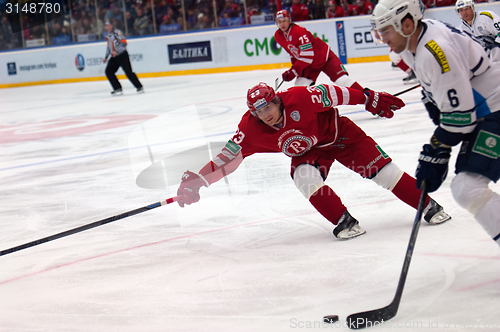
[283, 14]
[259, 96]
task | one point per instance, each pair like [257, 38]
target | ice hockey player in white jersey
[485, 25]
[461, 86]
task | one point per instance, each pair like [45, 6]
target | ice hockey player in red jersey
[310, 55]
[303, 123]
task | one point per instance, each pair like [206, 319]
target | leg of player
[402, 185]
[127, 68]
[303, 81]
[471, 192]
[398, 61]
[111, 69]
[308, 180]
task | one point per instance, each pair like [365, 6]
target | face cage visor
[383, 35]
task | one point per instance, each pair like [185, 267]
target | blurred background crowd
[83, 20]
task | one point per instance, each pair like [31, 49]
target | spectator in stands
[364, 7]
[299, 11]
[443, 3]
[228, 9]
[55, 30]
[161, 10]
[334, 10]
[180, 21]
[141, 23]
[84, 28]
[7, 37]
[36, 32]
[130, 19]
[173, 15]
[201, 22]
[348, 8]
[166, 20]
[114, 12]
[191, 18]
[316, 9]
[66, 30]
[129, 5]
[97, 25]
[236, 11]
[149, 12]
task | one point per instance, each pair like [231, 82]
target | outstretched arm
[226, 162]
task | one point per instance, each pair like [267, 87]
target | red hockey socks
[406, 190]
[326, 201]
[403, 66]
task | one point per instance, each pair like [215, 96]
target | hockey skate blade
[348, 234]
[439, 218]
[410, 82]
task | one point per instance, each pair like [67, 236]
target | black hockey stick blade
[405, 91]
[88, 226]
[276, 84]
[377, 317]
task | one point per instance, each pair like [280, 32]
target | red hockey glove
[190, 188]
[289, 75]
[382, 103]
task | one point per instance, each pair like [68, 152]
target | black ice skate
[140, 90]
[434, 213]
[117, 92]
[348, 227]
[411, 78]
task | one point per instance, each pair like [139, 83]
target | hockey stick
[407, 90]
[89, 226]
[379, 316]
[276, 85]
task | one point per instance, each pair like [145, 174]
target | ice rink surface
[252, 255]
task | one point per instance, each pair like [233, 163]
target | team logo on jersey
[294, 143]
[487, 144]
[306, 47]
[294, 50]
[325, 96]
[295, 115]
[438, 53]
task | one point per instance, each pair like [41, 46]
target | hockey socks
[406, 190]
[326, 201]
[403, 66]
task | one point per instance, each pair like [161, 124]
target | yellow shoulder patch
[486, 14]
[438, 53]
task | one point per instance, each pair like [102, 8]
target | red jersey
[310, 121]
[366, 10]
[299, 12]
[305, 49]
[339, 12]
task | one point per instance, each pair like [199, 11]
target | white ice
[252, 255]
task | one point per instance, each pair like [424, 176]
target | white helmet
[464, 3]
[392, 12]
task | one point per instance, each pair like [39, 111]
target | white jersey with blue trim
[485, 23]
[457, 74]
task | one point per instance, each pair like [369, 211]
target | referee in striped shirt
[117, 48]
